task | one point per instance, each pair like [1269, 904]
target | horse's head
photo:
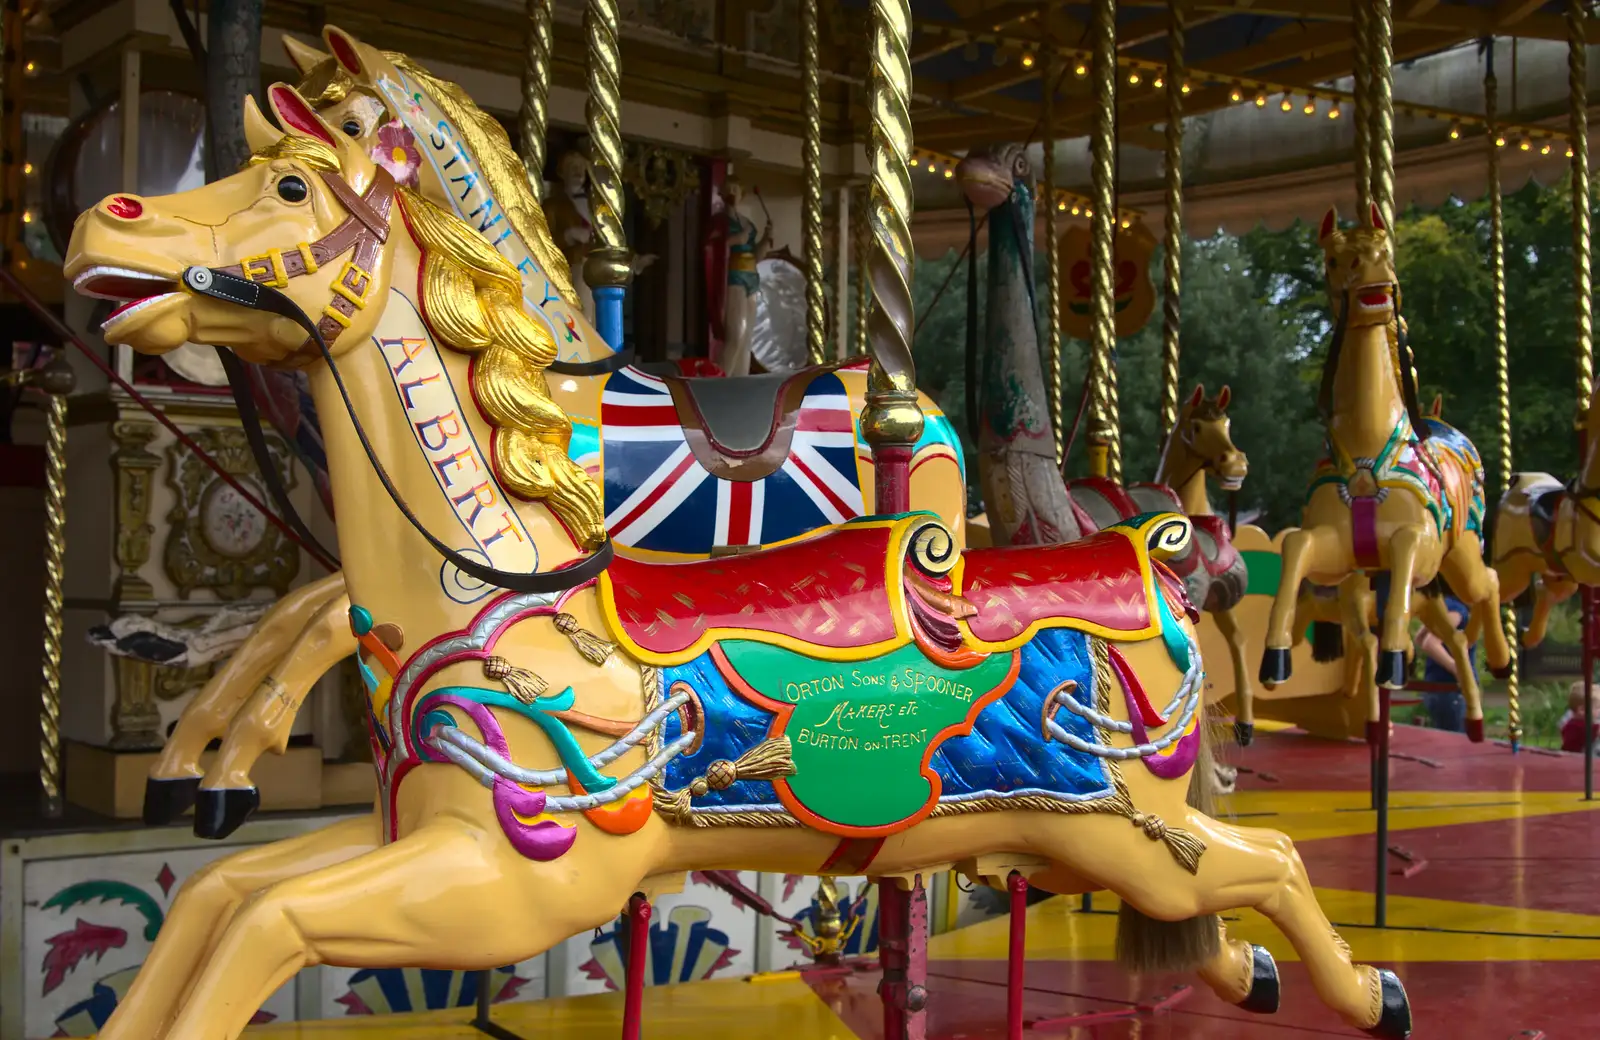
[988, 176]
[1360, 270]
[1203, 430]
[307, 215]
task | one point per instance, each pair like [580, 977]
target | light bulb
[1184, 88]
[1235, 95]
[1158, 83]
[1261, 101]
[1076, 210]
[1080, 69]
[27, 168]
[949, 172]
[27, 216]
[1569, 151]
[1333, 113]
[1027, 59]
[1311, 107]
[1286, 104]
[1544, 149]
[1062, 205]
[1455, 131]
[28, 67]
[1126, 223]
[1524, 144]
[1499, 140]
[1133, 79]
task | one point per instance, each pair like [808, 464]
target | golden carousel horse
[428, 134]
[871, 698]
[1398, 492]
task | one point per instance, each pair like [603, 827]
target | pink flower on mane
[396, 151]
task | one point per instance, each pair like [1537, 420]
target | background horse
[865, 692]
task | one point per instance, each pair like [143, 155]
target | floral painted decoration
[396, 151]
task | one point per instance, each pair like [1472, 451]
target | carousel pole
[1052, 258]
[1380, 55]
[609, 268]
[533, 118]
[861, 232]
[1105, 449]
[56, 381]
[1363, 109]
[1578, 124]
[1171, 315]
[811, 101]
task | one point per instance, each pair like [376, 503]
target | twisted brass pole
[1380, 65]
[1104, 450]
[861, 230]
[1171, 314]
[533, 119]
[1502, 372]
[55, 520]
[1578, 124]
[1360, 28]
[1052, 261]
[891, 419]
[608, 268]
[811, 101]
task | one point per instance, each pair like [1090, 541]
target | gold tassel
[768, 760]
[524, 685]
[1185, 847]
[594, 649]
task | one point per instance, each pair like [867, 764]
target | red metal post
[638, 949]
[903, 954]
[1016, 957]
[891, 464]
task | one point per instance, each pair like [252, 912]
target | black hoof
[1392, 669]
[1275, 666]
[1502, 672]
[1263, 998]
[1395, 1022]
[166, 800]
[218, 812]
[1244, 733]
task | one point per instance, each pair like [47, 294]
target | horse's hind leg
[1355, 604]
[227, 794]
[447, 895]
[1479, 586]
[1436, 616]
[1243, 974]
[1244, 697]
[206, 904]
[175, 777]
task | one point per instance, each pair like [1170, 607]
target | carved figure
[1014, 691]
[398, 114]
[1397, 492]
[746, 248]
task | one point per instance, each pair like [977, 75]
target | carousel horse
[790, 709]
[1214, 573]
[1547, 534]
[1397, 492]
[688, 464]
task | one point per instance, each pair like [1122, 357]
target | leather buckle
[268, 266]
[355, 291]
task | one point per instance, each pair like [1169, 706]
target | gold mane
[473, 298]
[328, 84]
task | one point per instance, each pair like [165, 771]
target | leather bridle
[255, 282]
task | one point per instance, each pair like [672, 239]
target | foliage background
[1255, 316]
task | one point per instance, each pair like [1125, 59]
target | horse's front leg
[1305, 550]
[1436, 616]
[1407, 549]
[1244, 723]
[1355, 607]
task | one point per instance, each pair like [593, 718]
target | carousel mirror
[778, 338]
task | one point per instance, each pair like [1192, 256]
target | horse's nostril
[124, 207]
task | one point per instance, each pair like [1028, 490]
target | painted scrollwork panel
[661, 177]
[216, 539]
[133, 468]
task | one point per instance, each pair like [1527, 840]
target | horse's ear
[346, 49]
[1377, 218]
[1223, 398]
[1330, 224]
[303, 56]
[1198, 395]
[296, 115]
[259, 133]
[1437, 408]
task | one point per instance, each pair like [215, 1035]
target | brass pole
[811, 101]
[862, 231]
[609, 267]
[1104, 450]
[1360, 29]
[1578, 124]
[1381, 66]
[891, 419]
[56, 381]
[533, 119]
[1171, 327]
[1052, 260]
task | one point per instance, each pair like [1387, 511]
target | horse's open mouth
[134, 290]
[1231, 483]
[1373, 297]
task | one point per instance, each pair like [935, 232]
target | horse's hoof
[1275, 667]
[165, 800]
[1475, 730]
[1395, 1021]
[1503, 672]
[1392, 669]
[1244, 733]
[1263, 998]
[218, 812]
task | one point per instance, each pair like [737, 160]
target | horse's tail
[1146, 944]
[1327, 641]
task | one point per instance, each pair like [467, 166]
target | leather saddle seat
[741, 427]
[1542, 509]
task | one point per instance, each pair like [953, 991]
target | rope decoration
[768, 760]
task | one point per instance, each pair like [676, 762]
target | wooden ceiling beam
[986, 82]
[995, 19]
[1154, 27]
[1509, 12]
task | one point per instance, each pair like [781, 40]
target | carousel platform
[1494, 914]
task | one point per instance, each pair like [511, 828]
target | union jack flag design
[657, 496]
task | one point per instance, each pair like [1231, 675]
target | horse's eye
[351, 127]
[293, 189]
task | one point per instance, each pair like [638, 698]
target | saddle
[1542, 514]
[740, 427]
